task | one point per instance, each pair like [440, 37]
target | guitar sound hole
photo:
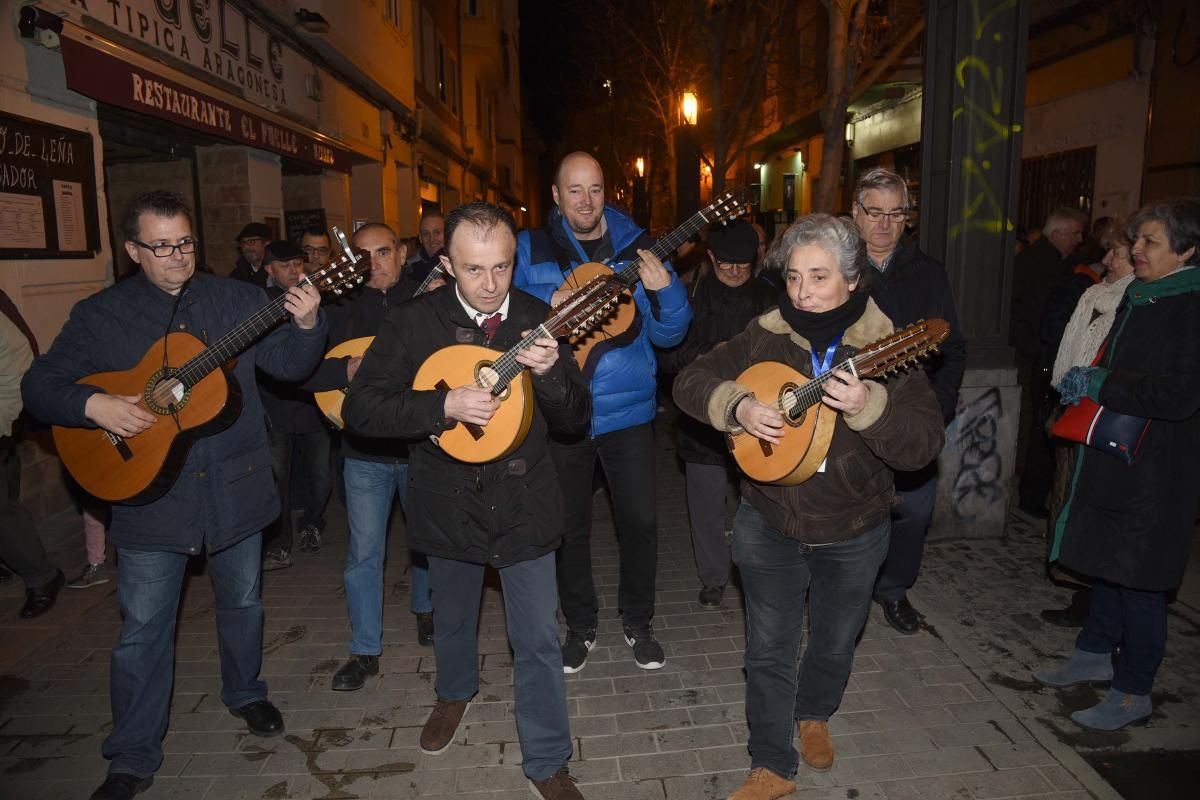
[166, 393]
[792, 415]
[487, 377]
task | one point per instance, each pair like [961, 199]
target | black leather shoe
[40, 599]
[354, 673]
[425, 630]
[262, 718]
[901, 615]
[1073, 616]
[122, 786]
[710, 596]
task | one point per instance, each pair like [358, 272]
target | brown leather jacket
[899, 429]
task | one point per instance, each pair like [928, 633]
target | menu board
[296, 222]
[47, 191]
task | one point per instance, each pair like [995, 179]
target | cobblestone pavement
[947, 713]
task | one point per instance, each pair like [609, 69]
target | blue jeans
[777, 572]
[530, 611]
[370, 486]
[143, 661]
[1136, 619]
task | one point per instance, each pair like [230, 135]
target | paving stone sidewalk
[920, 719]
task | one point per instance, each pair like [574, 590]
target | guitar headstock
[896, 352]
[342, 273]
[586, 307]
[730, 205]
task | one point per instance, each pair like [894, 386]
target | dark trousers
[777, 572]
[709, 487]
[1037, 474]
[539, 689]
[627, 457]
[1138, 621]
[911, 513]
[20, 546]
[313, 449]
[143, 661]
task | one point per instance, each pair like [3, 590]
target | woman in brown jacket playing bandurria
[828, 535]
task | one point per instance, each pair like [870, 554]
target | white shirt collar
[479, 315]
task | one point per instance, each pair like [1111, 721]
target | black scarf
[822, 327]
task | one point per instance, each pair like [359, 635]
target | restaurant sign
[212, 36]
[109, 79]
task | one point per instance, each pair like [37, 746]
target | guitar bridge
[473, 429]
[121, 445]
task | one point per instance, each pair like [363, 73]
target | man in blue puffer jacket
[622, 381]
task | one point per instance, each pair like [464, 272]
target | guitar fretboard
[665, 246]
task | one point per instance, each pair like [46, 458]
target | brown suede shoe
[763, 785]
[441, 726]
[559, 786]
[815, 744]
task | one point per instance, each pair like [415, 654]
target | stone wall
[224, 203]
[125, 180]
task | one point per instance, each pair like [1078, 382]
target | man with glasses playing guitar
[222, 498]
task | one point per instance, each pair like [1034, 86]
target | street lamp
[640, 166]
[690, 106]
[687, 158]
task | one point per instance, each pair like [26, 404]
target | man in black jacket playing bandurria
[506, 513]
[907, 285]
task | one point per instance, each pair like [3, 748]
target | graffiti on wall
[979, 485]
[983, 89]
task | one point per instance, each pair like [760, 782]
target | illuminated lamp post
[687, 158]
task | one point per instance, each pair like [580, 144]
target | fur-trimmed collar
[871, 326]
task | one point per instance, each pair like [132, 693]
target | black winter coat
[1132, 525]
[915, 287]
[362, 315]
[1058, 310]
[225, 491]
[1036, 271]
[719, 313]
[242, 271]
[289, 408]
[499, 513]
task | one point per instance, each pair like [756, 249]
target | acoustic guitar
[330, 401]
[466, 364]
[198, 397]
[808, 422]
[593, 343]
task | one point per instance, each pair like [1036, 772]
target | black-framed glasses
[186, 247]
[876, 214]
[733, 266]
[320, 251]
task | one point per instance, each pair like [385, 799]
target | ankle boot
[1115, 711]
[1081, 667]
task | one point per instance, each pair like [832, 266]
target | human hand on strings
[760, 420]
[845, 392]
[541, 357]
[118, 413]
[302, 303]
[652, 272]
[471, 404]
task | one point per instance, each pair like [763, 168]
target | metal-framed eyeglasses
[186, 247]
[876, 214]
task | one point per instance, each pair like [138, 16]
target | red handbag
[1087, 422]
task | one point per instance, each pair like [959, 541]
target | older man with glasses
[317, 247]
[907, 285]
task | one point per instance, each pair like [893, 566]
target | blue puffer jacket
[225, 491]
[623, 384]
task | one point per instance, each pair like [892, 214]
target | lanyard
[820, 367]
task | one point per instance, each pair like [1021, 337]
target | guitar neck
[665, 246]
[433, 275]
[234, 342]
[507, 368]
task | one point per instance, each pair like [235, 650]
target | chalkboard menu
[297, 222]
[47, 191]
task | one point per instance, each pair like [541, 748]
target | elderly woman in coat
[826, 537]
[1129, 526]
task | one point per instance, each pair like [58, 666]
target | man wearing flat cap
[725, 298]
[296, 431]
[252, 242]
